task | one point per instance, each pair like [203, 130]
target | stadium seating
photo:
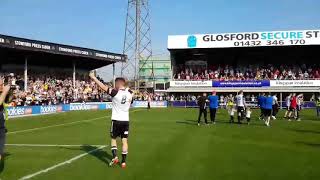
[250, 72]
[44, 89]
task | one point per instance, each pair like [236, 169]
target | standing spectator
[202, 103]
[317, 101]
[299, 106]
[253, 98]
[222, 101]
[293, 107]
[149, 101]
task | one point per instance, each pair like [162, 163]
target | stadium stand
[51, 90]
[48, 74]
[250, 72]
[207, 62]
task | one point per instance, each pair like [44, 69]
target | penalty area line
[43, 171]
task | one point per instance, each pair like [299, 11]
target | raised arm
[100, 84]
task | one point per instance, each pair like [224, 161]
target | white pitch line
[63, 124]
[52, 145]
[57, 125]
[60, 164]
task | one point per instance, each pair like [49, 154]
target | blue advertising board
[30, 110]
[264, 83]
[37, 110]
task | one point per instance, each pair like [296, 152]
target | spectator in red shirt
[293, 106]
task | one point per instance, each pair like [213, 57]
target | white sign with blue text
[249, 39]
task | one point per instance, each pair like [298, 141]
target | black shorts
[275, 106]
[299, 107]
[240, 111]
[119, 129]
[267, 112]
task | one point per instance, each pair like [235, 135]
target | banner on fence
[90, 106]
[295, 83]
[190, 83]
[241, 83]
[37, 110]
[20, 111]
[144, 104]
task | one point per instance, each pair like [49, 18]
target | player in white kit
[288, 103]
[299, 107]
[121, 102]
[241, 105]
[275, 106]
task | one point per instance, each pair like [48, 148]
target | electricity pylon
[137, 42]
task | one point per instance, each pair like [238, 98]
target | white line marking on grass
[63, 124]
[52, 145]
[60, 164]
[57, 125]
[14, 118]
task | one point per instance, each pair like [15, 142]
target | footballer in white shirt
[288, 103]
[241, 105]
[275, 106]
[121, 102]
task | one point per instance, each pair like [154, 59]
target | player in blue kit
[268, 109]
[214, 103]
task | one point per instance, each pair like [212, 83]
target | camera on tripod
[10, 79]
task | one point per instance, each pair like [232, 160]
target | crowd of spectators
[57, 88]
[44, 89]
[249, 72]
[145, 96]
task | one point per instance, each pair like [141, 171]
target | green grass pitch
[164, 144]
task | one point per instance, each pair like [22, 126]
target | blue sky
[100, 24]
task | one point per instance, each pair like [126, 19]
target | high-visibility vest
[230, 103]
[318, 102]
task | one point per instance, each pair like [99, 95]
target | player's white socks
[267, 122]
